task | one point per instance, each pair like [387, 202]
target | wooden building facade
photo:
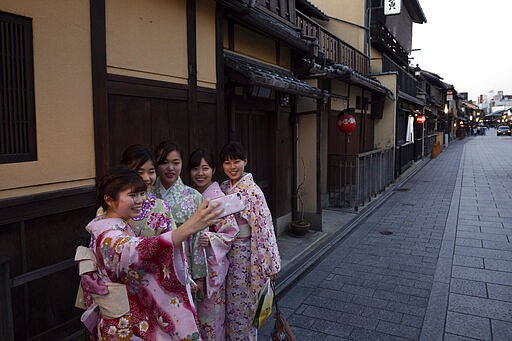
[93, 76]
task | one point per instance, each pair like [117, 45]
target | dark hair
[164, 148]
[115, 181]
[198, 154]
[233, 151]
[135, 156]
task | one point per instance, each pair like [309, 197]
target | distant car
[503, 130]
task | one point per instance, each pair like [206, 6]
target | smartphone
[231, 203]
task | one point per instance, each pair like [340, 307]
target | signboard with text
[392, 7]
[449, 95]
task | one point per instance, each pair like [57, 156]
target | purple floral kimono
[154, 219]
[252, 259]
[152, 273]
[211, 309]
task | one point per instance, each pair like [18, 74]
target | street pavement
[432, 262]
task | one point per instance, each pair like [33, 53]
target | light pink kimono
[211, 310]
[153, 271]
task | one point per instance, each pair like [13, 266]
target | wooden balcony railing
[407, 83]
[334, 49]
[381, 36]
[284, 9]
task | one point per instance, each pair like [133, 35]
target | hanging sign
[346, 123]
[392, 7]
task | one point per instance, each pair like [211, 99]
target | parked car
[503, 130]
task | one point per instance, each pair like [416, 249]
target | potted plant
[300, 226]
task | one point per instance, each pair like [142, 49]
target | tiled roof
[273, 77]
[348, 74]
[311, 9]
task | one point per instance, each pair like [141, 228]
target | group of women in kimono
[161, 264]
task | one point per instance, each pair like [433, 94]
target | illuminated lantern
[346, 123]
[420, 119]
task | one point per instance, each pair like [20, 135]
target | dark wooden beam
[99, 85]
[222, 122]
[192, 116]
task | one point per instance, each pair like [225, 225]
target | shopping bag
[263, 304]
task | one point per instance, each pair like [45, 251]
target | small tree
[300, 226]
[300, 195]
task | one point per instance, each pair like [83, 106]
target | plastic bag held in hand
[92, 283]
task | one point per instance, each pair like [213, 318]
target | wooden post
[6, 319]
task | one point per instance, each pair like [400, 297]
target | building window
[17, 115]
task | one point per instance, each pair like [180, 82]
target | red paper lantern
[346, 123]
[420, 119]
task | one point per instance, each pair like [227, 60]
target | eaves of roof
[432, 78]
[258, 73]
[415, 11]
[409, 98]
[345, 73]
[249, 15]
[311, 9]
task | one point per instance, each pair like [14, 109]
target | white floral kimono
[184, 201]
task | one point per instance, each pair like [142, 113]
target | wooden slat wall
[38, 237]
[161, 112]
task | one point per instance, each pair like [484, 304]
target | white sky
[468, 43]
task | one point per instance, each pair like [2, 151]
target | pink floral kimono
[253, 258]
[154, 219]
[211, 309]
[151, 273]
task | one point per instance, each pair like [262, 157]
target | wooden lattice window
[17, 114]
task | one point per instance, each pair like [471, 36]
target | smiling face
[234, 169]
[148, 173]
[202, 175]
[127, 205]
[170, 169]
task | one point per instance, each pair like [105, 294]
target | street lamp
[417, 71]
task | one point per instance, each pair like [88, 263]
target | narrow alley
[433, 262]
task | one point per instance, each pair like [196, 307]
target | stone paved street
[433, 262]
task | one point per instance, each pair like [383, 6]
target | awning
[497, 113]
[347, 74]
[404, 96]
[257, 73]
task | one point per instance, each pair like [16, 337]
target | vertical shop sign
[392, 7]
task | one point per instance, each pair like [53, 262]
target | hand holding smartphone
[231, 203]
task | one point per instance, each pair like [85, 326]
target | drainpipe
[368, 33]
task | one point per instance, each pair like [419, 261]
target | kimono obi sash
[115, 303]
[245, 231]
